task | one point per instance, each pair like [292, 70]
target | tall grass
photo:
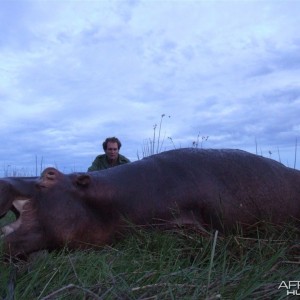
[296, 149]
[155, 144]
[278, 152]
[177, 264]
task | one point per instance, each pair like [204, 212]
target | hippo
[210, 189]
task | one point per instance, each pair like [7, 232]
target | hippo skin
[211, 189]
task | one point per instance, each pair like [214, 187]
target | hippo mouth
[17, 207]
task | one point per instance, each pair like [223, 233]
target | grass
[178, 264]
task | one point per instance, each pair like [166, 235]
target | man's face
[112, 151]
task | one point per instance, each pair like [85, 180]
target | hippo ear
[83, 180]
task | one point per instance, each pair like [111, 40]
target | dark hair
[111, 140]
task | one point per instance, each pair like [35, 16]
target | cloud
[74, 72]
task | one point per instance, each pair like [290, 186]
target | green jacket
[101, 162]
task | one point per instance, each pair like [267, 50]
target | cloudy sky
[75, 72]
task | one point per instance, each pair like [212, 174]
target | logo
[291, 287]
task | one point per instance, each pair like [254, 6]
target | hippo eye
[50, 175]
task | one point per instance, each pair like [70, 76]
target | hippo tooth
[19, 204]
[8, 229]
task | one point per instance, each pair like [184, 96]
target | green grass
[178, 264]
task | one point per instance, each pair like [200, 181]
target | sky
[210, 74]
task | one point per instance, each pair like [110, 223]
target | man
[111, 158]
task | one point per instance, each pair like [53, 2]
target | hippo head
[52, 211]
